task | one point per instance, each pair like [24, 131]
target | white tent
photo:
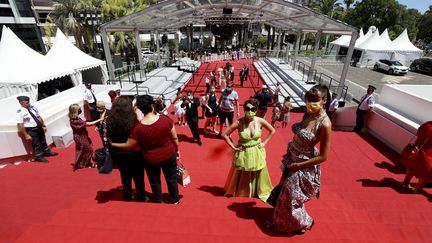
[400, 49]
[344, 40]
[374, 47]
[22, 68]
[63, 51]
[371, 43]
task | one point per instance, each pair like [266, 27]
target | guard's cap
[23, 98]
[264, 86]
[371, 87]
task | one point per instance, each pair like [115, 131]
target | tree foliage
[425, 23]
[385, 14]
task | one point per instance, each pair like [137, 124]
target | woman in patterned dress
[84, 149]
[249, 176]
[301, 165]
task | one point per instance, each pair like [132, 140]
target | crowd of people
[143, 138]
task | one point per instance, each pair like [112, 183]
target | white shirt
[23, 116]
[366, 102]
[334, 105]
[88, 96]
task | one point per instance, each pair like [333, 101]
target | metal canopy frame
[171, 15]
[285, 16]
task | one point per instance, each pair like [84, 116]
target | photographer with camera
[191, 104]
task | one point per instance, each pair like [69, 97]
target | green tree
[424, 26]
[327, 7]
[380, 13]
[65, 15]
[348, 4]
[260, 41]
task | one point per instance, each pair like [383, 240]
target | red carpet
[360, 200]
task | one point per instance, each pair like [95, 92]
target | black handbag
[274, 195]
[102, 156]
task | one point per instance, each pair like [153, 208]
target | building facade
[19, 17]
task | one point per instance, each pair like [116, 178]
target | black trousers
[193, 125]
[38, 141]
[169, 169]
[131, 167]
[360, 119]
[94, 114]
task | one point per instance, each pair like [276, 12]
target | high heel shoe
[302, 231]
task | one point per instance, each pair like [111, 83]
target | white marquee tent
[22, 68]
[63, 51]
[374, 47]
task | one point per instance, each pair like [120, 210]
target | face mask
[313, 107]
[250, 114]
[100, 110]
[190, 97]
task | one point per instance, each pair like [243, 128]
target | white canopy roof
[372, 43]
[384, 38]
[63, 51]
[20, 64]
[402, 43]
[344, 40]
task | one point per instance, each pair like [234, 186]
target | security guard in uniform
[33, 128]
[363, 108]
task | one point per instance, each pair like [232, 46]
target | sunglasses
[247, 108]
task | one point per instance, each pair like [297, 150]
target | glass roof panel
[176, 14]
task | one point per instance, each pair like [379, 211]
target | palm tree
[327, 7]
[348, 4]
[65, 15]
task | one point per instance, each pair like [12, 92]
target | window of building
[24, 8]
[6, 12]
[4, 2]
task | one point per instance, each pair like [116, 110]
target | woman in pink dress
[84, 149]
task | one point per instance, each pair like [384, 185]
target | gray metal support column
[296, 48]
[317, 43]
[190, 38]
[158, 49]
[347, 63]
[138, 44]
[177, 42]
[107, 52]
[279, 37]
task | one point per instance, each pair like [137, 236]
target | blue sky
[421, 5]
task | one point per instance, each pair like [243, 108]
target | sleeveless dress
[248, 176]
[212, 103]
[300, 186]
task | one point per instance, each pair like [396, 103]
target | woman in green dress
[248, 176]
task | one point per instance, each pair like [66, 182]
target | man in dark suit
[191, 104]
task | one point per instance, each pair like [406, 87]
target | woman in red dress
[84, 149]
[422, 167]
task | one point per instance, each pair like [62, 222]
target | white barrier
[53, 110]
[394, 120]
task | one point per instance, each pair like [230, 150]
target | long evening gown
[84, 149]
[300, 186]
[248, 176]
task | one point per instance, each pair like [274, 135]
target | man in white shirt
[32, 128]
[228, 102]
[365, 105]
[90, 102]
[334, 105]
